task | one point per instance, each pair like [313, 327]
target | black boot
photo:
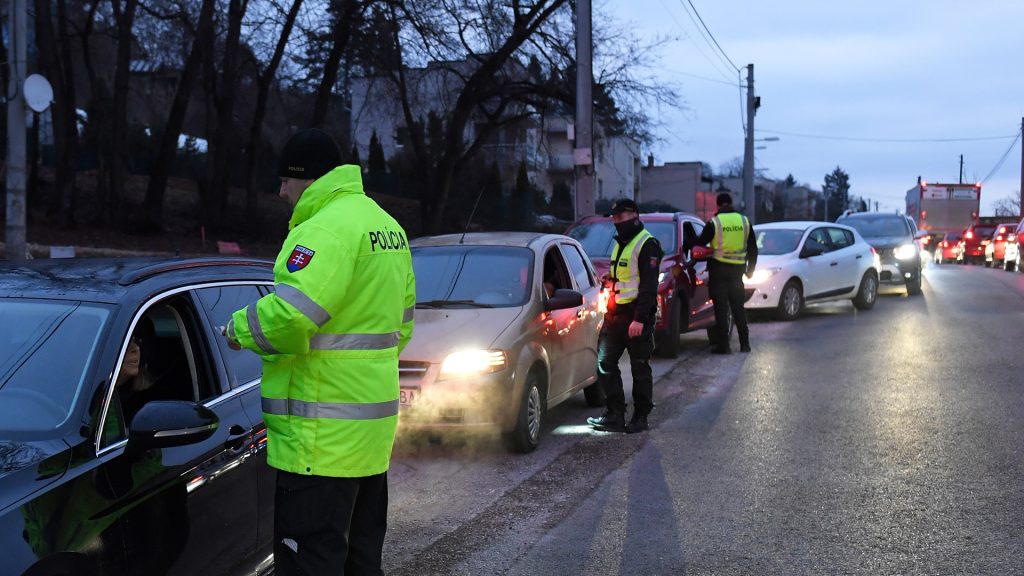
[721, 350]
[609, 422]
[638, 423]
[744, 345]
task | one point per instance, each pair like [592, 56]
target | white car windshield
[774, 242]
[46, 348]
[472, 276]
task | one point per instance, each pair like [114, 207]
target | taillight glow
[969, 235]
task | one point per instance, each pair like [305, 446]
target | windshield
[46, 349]
[983, 231]
[475, 276]
[774, 242]
[598, 238]
[878, 227]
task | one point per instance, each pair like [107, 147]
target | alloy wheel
[533, 411]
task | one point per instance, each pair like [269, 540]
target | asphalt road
[879, 442]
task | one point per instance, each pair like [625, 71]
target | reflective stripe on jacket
[624, 268]
[331, 332]
[730, 241]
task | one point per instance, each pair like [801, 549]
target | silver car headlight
[473, 363]
[906, 252]
[761, 275]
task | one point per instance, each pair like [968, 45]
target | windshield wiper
[443, 303]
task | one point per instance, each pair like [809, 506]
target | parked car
[810, 262]
[946, 248]
[895, 237]
[972, 245]
[995, 250]
[163, 473]
[1011, 260]
[684, 303]
[506, 329]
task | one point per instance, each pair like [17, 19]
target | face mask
[624, 229]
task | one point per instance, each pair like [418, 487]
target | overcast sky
[839, 81]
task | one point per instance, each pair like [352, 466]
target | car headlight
[661, 277]
[473, 363]
[906, 252]
[760, 275]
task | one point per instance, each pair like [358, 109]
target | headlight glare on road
[906, 252]
[761, 275]
[473, 363]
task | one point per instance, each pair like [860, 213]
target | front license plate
[406, 396]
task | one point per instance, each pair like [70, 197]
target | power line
[709, 41]
[714, 64]
[1001, 160]
[897, 140]
[734, 66]
[717, 81]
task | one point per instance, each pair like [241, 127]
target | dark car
[131, 437]
[895, 237]
[683, 300]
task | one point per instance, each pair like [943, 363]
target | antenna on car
[472, 213]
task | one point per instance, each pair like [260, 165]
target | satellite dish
[38, 93]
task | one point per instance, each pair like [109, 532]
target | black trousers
[612, 342]
[329, 526]
[725, 282]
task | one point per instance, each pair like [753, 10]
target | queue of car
[992, 244]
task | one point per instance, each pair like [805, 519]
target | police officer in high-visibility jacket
[629, 321]
[330, 335]
[735, 254]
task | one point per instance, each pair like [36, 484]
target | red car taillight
[969, 235]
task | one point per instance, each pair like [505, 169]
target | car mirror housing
[564, 298]
[811, 250]
[166, 423]
[700, 253]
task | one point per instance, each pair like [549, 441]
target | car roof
[644, 216]
[521, 239]
[874, 215]
[109, 279]
[796, 225]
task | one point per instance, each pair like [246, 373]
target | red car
[995, 251]
[683, 300]
[972, 246]
[945, 249]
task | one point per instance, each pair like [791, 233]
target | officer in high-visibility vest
[735, 254]
[330, 335]
[629, 321]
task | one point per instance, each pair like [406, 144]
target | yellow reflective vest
[331, 332]
[624, 268]
[730, 241]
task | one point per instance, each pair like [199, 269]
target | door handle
[834, 264]
[236, 437]
[859, 256]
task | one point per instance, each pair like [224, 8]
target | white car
[802, 263]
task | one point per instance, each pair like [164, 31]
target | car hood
[883, 242]
[27, 467]
[437, 333]
[773, 260]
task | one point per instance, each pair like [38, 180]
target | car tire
[914, 285]
[594, 395]
[791, 301]
[525, 437]
[1008, 266]
[667, 345]
[867, 293]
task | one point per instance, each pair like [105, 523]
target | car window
[243, 366]
[556, 275]
[577, 265]
[162, 359]
[983, 231]
[598, 238]
[499, 276]
[47, 349]
[772, 242]
[820, 236]
[878, 226]
[840, 238]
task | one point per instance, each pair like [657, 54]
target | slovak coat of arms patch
[300, 258]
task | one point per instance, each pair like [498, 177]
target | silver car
[506, 328]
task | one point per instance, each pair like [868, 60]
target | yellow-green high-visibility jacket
[331, 332]
[624, 268]
[730, 241]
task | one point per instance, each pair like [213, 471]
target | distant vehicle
[995, 250]
[802, 263]
[974, 242]
[1014, 248]
[946, 248]
[684, 303]
[940, 208]
[506, 329]
[895, 237]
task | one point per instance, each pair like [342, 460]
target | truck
[939, 208]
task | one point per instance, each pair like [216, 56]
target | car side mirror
[812, 249]
[563, 299]
[698, 253]
[166, 423]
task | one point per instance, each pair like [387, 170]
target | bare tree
[124, 17]
[1008, 206]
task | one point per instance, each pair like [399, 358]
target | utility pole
[583, 156]
[16, 50]
[749, 203]
[1021, 211]
[961, 168]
